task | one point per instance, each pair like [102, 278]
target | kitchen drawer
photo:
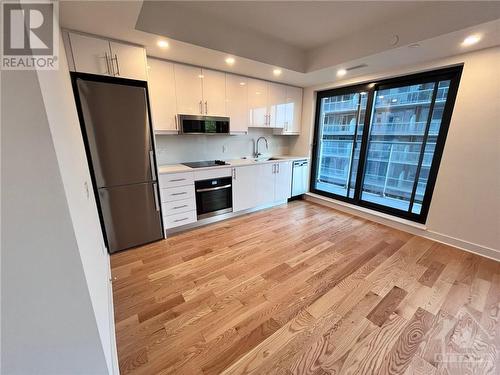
[176, 179]
[177, 220]
[177, 207]
[207, 174]
[177, 193]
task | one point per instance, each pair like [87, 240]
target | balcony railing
[399, 128]
[411, 97]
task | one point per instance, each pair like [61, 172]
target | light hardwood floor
[304, 289]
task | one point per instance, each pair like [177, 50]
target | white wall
[57, 313]
[48, 323]
[465, 208]
[171, 149]
[68, 143]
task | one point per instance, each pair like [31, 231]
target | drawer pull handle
[177, 180]
[177, 207]
[176, 221]
[184, 192]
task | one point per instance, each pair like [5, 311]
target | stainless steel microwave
[190, 124]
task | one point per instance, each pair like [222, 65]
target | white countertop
[176, 168]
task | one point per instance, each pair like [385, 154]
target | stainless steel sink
[265, 159]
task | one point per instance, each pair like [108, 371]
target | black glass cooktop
[202, 164]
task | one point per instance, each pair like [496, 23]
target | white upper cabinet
[90, 55]
[128, 61]
[161, 84]
[293, 112]
[214, 93]
[100, 56]
[276, 105]
[257, 103]
[200, 91]
[237, 103]
[188, 89]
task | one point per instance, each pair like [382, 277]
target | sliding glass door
[379, 145]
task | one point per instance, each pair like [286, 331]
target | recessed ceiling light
[162, 44]
[200, 76]
[414, 45]
[277, 72]
[242, 83]
[470, 40]
[230, 60]
[341, 72]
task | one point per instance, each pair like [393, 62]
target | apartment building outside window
[379, 145]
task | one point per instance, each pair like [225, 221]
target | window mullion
[364, 144]
[353, 146]
[422, 148]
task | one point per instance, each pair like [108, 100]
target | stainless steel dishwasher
[299, 177]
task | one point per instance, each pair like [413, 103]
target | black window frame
[453, 74]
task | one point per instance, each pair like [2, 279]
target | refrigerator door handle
[152, 164]
[155, 193]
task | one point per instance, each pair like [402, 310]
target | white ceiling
[121, 20]
[302, 24]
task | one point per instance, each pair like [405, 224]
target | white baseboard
[405, 225]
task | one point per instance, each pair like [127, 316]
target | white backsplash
[172, 149]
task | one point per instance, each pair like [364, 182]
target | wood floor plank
[403, 351]
[304, 289]
[387, 306]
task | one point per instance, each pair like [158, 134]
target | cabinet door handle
[274, 168]
[206, 107]
[201, 107]
[108, 70]
[176, 221]
[117, 66]
[278, 167]
[176, 125]
[234, 173]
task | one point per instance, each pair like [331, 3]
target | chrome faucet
[256, 154]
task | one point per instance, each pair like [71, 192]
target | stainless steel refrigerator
[115, 124]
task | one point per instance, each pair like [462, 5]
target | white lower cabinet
[245, 195]
[283, 182]
[261, 184]
[178, 200]
[265, 183]
[176, 220]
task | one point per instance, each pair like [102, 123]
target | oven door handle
[213, 189]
